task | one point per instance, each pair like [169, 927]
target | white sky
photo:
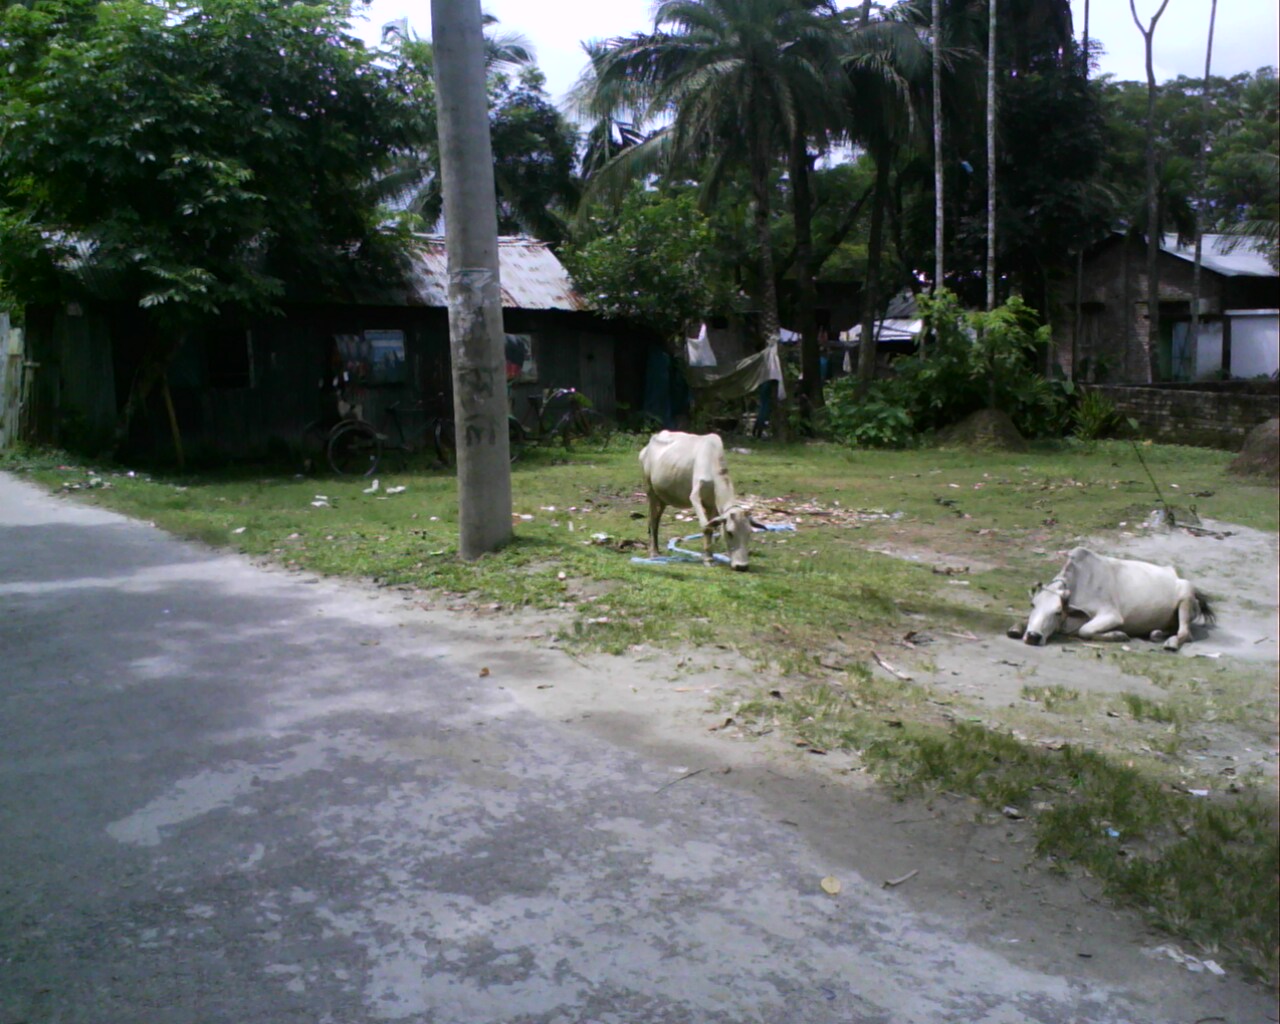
[1245, 35]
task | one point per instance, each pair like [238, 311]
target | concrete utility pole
[475, 301]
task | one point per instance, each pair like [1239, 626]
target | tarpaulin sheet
[740, 379]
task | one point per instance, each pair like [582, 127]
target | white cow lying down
[1116, 598]
[688, 471]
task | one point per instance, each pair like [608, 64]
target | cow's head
[1048, 611]
[737, 532]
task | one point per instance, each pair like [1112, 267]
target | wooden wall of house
[251, 388]
[73, 383]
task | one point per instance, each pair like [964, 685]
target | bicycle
[355, 447]
[577, 422]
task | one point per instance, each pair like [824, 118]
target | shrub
[975, 361]
[1095, 417]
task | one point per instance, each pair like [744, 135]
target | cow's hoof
[1014, 632]
[1157, 635]
[1172, 644]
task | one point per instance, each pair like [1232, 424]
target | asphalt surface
[245, 796]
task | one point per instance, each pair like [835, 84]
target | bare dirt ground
[945, 855]
[1236, 658]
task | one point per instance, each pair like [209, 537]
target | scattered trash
[891, 883]
[831, 886]
[1113, 833]
[687, 775]
[321, 503]
[833, 514]
[1009, 811]
[562, 575]
[238, 529]
[372, 488]
[889, 668]
[397, 490]
[1194, 964]
[679, 554]
[484, 672]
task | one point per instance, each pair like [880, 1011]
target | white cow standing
[689, 471]
[1118, 598]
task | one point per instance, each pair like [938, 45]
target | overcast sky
[1244, 37]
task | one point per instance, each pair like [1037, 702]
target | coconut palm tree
[888, 74]
[729, 83]
[413, 184]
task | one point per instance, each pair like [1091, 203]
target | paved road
[233, 795]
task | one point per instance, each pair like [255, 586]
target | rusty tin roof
[531, 276]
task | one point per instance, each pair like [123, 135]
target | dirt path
[1233, 663]
[947, 856]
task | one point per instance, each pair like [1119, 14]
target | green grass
[1205, 871]
[814, 606]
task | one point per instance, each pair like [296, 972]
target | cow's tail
[1206, 612]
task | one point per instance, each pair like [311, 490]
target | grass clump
[1203, 870]
[1051, 697]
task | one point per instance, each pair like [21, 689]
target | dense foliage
[654, 260]
[1241, 191]
[190, 157]
[976, 360]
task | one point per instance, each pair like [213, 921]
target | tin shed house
[244, 388]
[1239, 310]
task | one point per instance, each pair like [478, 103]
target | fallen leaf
[831, 885]
[484, 672]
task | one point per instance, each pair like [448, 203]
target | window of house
[386, 356]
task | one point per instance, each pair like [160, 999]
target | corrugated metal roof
[1218, 254]
[531, 276]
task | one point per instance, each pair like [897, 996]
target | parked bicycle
[559, 414]
[355, 447]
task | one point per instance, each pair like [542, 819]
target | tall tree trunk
[991, 153]
[1193, 340]
[806, 292]
[939, 208]
[871, 300]
[475, 299]
[764, 240]
[1153, 211]
[1077, 325]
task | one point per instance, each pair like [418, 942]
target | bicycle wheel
[354, 449]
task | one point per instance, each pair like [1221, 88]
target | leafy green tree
[654, 260]
[975, 356]
[190, 159]
[534, 152]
